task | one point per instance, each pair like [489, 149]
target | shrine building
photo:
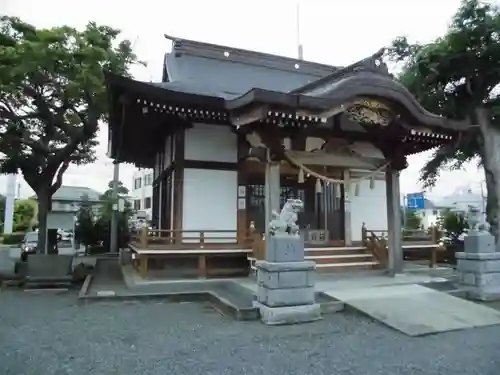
[231, 134]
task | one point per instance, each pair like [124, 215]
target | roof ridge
[366, 64]
[235, 54]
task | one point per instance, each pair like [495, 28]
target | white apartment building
[142, 191]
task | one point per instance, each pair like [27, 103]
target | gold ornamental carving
[370, 112]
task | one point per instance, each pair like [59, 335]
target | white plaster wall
[210, 202]
[143, 192]
[211, 143]
[428, 217]
[369, 207]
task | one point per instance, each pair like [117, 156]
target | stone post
[478, 267]
[285, 280]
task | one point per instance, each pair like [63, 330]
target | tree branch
[64, 166]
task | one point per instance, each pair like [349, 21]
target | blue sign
[415, 201]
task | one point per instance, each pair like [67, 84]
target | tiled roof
[75, 194]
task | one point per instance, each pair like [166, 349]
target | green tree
[85, 230]
[52, 98]
[453, 224]
[104, 222]
[413, 221]
[457, 76]
[121, 189]
[24, 210]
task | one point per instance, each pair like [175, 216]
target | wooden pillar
[395, 245]
[347, 209]
[242, 227]
[158, 202]
[178, 195]
[272, 190]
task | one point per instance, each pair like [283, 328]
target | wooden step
[337, 250]
[346, 267]
[339, 258]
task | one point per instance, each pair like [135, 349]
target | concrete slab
[416, 310]
[355, 281]
[40, 265]
[6, 262]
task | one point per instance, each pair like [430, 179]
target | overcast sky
[333, 32]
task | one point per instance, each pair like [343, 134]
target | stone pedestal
[286, 283]
[7, 263]
[478, 267]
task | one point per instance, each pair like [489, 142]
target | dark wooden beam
[298, 140]
[213, 165]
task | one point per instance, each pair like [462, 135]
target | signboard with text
[415, 201]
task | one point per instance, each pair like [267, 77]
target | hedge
[13, 238]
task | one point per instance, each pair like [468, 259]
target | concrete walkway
[395, 301]
[416, 310]
[326, 283]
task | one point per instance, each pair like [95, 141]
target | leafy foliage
[52, 99]
[92, 229]
[85, 231]
[13, 238]
[458, 76]
[413, 221]
[453, 75]
[24, 211]
[453, 224]
[104, 222]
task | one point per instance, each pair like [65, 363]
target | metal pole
[113, 241]
[299, 45]
[10, 198]
[405, 202]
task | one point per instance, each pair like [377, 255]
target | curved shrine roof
[231, 82]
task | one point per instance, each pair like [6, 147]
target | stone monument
[285, 280]
[478, 267]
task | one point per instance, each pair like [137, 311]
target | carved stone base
[289, 314]
[285, 248]
[479, 242]
[286, 292]
[479, 275]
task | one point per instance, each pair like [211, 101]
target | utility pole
[113, 241]
[10, 199]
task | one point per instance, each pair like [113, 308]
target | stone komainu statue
[286, 221]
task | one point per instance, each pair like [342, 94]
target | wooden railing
[418, 244]
[164, 239]
[375, 241]
[419, 236]
[426, 243]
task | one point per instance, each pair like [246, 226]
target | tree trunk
[491, 162]
[43, 197]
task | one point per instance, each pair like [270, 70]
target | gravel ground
[51, 335]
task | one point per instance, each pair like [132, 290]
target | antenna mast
[299, 45]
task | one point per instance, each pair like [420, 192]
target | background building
[430, 213]
[142, 191]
